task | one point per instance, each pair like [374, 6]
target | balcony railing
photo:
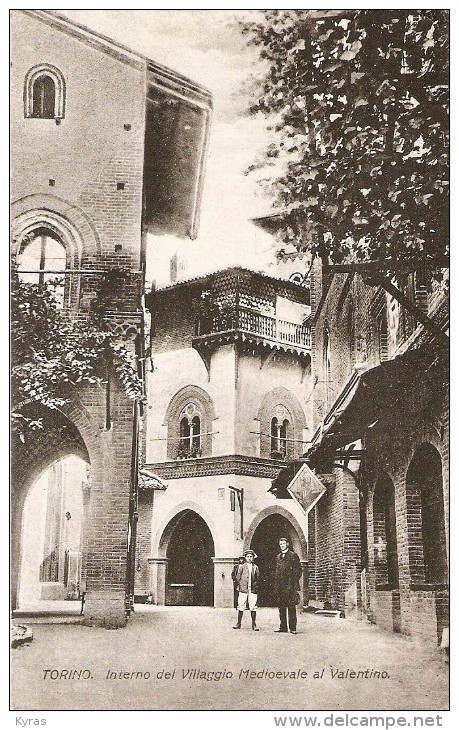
[253, 322]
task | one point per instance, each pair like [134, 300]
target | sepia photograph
[229, 315]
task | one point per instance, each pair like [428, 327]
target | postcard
[230, 364]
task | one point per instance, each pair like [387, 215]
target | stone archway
[188, 547]
[79, 428]
[54, 519]
[58, 439]
[263, 536]
[426, 531]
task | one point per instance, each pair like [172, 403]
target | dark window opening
[190, 435]
[427, 538]
[44, 98]
[385, 535]
[327, 369]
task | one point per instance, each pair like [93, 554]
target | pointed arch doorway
[265, 542]
[53, 522]
[189, 549]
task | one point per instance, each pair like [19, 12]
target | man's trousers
[291, 610]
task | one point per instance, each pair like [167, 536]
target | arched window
[189, 418]
[282, 422]
[40, 258]
[43, 97]
[44, 93]
[426, 527]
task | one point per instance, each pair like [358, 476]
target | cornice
[217, 465]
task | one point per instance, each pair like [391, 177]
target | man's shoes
[236, 627]
[255, 628]
[293, 632]
[280, 631]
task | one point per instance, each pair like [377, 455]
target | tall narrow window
[379, 329]
[184, 432]
[44, 97]
[44, 92]
[283, 436]
[190, 433]
[426, 531]
[280, 429]
[196, 433]
[274, 435]
[327, 369]
[385, 535]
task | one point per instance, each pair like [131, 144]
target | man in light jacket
[246, 582]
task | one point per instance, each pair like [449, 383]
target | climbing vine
[51, 350]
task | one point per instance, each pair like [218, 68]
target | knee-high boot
[254, 620]
[239, 619]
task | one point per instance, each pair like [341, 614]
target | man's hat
[252, 552]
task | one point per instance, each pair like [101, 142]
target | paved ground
[202, 640]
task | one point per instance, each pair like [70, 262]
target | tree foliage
[360, 102]
[50, 351]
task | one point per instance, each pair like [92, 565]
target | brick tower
[107, 147]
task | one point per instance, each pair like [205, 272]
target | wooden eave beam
[384, 281]
[407, 266]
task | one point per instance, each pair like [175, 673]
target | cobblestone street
[169, 655]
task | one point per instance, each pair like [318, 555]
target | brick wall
[143, 543]
[86, 173]
[419, 417]
[391, 451]
[334, 531]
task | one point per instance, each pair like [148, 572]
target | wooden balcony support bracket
[267, 357]
[384, 281]
[305, 366]
[205, 353]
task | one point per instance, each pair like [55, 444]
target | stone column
[157, 579]
[223, 585]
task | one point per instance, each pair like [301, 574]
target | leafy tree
[50, 351]
[360, 103]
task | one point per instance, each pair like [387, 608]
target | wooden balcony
[245, 323]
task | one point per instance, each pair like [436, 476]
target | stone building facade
[98, 135]
[230, 382]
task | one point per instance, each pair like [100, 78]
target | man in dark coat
[286, 585]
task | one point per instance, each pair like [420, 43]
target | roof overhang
[371, 396]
